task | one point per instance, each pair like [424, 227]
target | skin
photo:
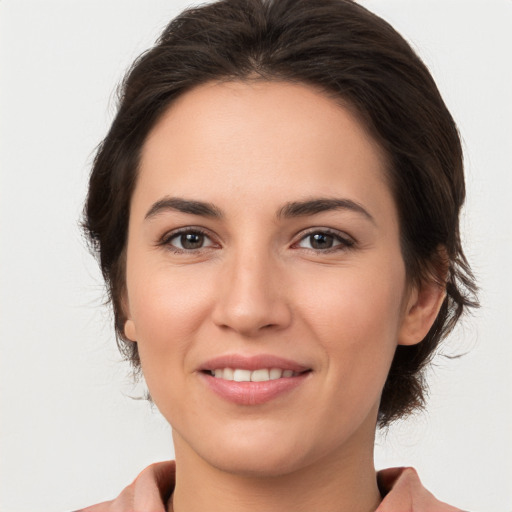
[259, 284]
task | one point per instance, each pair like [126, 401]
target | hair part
[358, 59]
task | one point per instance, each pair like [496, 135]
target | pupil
[321, 241]
[192, 240]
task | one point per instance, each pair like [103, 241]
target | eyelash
[344, 242]
[168, 237]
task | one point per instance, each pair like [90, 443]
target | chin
[257, 463]
[261, 453]
[247, 452]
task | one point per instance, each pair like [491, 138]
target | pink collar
[152, 489]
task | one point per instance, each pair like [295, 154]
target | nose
[252, 299]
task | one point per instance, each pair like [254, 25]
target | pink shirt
[151, 490]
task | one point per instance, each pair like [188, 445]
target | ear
[129, 330]
[130, 333]
[423, 305]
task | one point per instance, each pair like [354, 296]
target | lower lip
[252, 393]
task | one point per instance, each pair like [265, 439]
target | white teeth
[275, 373]
[228, 374]
[242, 375]
[260, 375]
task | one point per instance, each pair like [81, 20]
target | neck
[338, 482]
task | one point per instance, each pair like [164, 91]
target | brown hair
[354, 56]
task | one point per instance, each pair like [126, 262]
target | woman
[275, 210]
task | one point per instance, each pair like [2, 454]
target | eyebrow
[184, 206]
[289, 210]
[319, 205]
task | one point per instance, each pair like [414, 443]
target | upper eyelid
[186, 229]
[171, 234]
[331, 231]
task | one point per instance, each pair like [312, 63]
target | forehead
[235, 139]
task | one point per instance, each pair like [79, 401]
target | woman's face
[263, 242]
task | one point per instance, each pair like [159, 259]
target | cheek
[356, 318]
[167, 309]
[356, 304]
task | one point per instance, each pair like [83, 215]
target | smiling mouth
[241, 386]
[253, 379]
[258, 375]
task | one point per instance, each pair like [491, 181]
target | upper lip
[252, 363]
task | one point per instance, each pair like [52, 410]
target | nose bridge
[251, 298]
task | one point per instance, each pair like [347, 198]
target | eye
[324, 241]
[187, 240]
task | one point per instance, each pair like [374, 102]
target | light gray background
[70, 433]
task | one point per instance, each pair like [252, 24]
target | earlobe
[130, 332]
[422, 308]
